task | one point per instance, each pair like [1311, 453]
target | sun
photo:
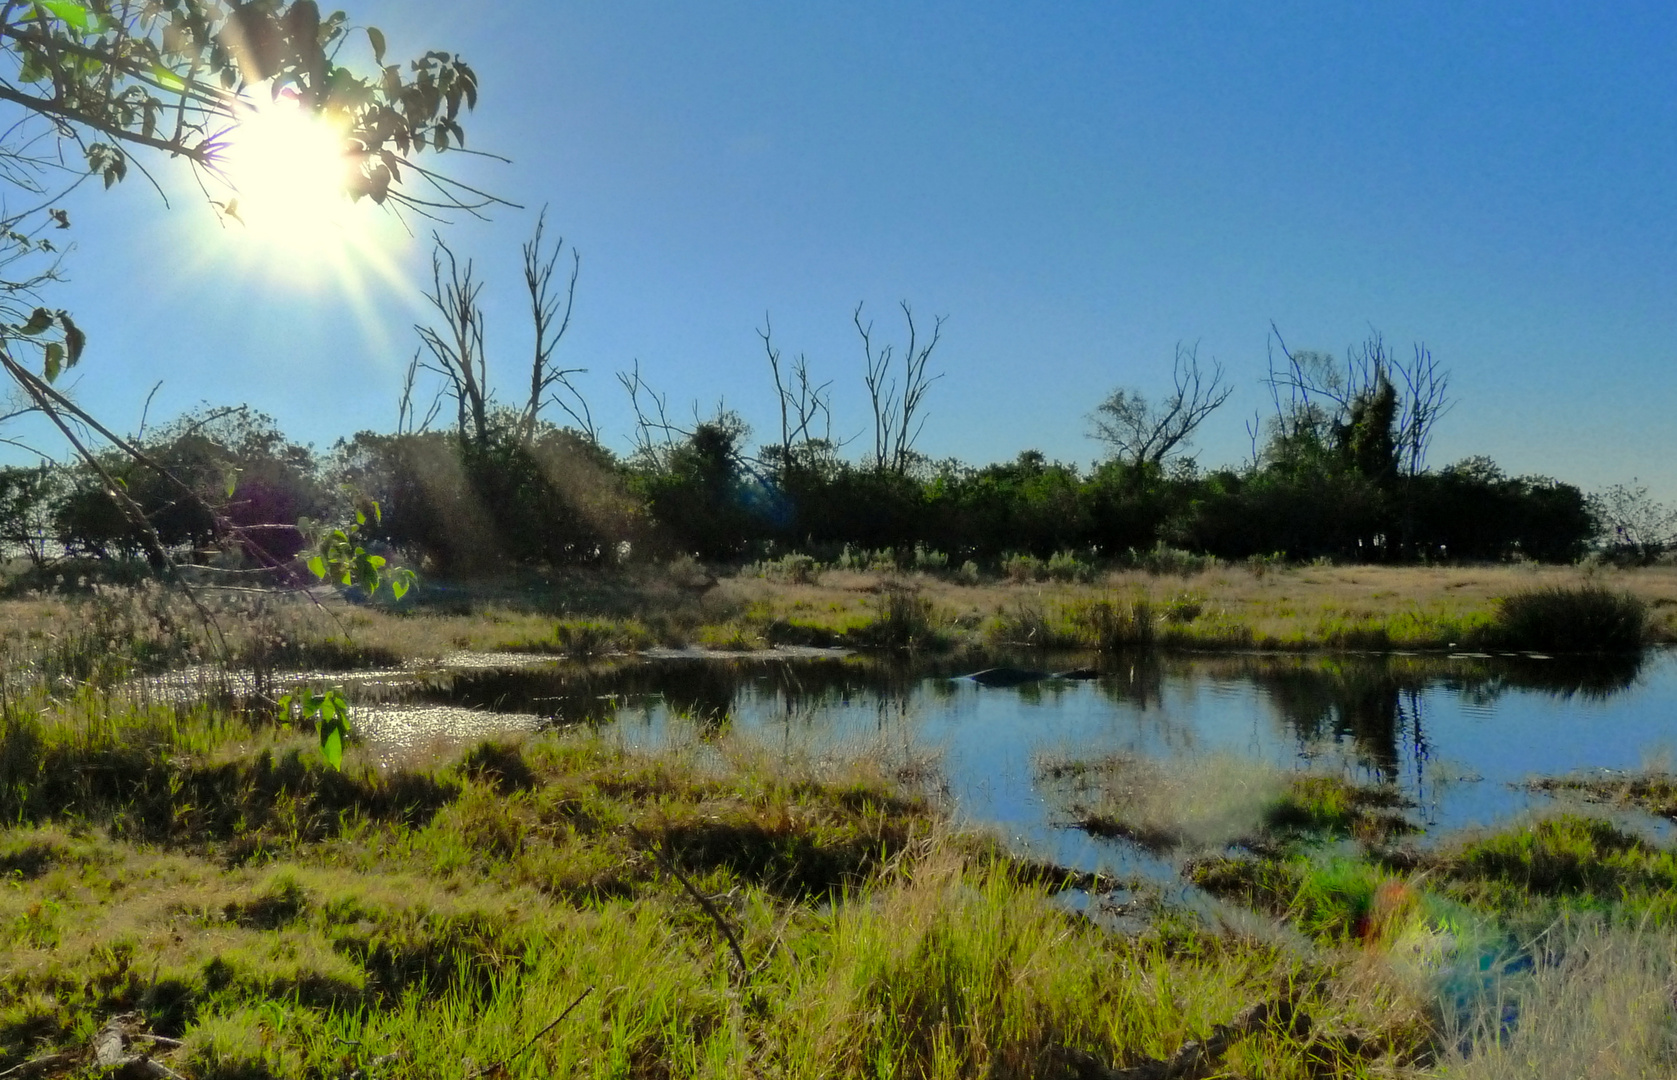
[281, 175]
[285, 169]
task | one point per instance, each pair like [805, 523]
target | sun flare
[287, 217]
[286, 171]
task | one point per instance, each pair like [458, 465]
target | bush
[1109, 625]
[1164, 559]
[929, 561]
[1022, 568]
[1584, 618]
[1066, 566]
[793, 569]
[1184, 608]
[903, 620]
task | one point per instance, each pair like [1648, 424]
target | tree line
[471, 483]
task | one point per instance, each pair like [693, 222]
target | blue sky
[1077, 187]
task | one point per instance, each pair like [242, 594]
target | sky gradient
[1076, 189]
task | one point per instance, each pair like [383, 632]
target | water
[1457, 734]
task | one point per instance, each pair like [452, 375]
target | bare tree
[654, 435]
[1142, 433]
[802, 402]
[897, 406]
[406, 414]
[457, 349]
[550, 311]
[1311, 390]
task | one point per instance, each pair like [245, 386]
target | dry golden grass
[1358, 607]
[1602, 1008]
[1278, 608]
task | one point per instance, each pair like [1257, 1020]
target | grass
[1652, 790]
[204, 869]
[281, 919]
[1207, 802]
[109, 632]
[1224, 608]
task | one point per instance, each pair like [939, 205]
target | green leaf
[39, 320]
[54, 363]
[75, 339]
[399, 587]
[74, 14]
[332, 745]
[166, 78]
[376, 37]
[317, 567]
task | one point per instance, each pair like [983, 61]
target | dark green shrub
[1584, 618]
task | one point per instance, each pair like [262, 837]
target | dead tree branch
[457, 349]
[897, 406]
[802, 402]
[550, 311]
[654, 435]
[1144, 434]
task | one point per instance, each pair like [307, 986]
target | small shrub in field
[903, 620]
[794, 569]
[1164, 559]
[1115, 624]
[929, 561]
[1022, 568]
[582, 637]
[1066, 566]
[968, 573]
[1184, 608]
[1584, 618]
[1029, 624]
[1261, 565]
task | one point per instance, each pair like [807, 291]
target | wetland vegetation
[729, 900]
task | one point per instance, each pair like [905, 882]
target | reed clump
[1586, 618]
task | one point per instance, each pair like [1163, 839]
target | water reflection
[1375, 710]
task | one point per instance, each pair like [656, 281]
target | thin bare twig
[709, 908]
[534, 1039]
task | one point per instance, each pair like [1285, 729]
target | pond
[1456, 733]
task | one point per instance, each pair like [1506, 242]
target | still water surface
[1457, 734]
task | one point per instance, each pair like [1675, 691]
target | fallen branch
[709, 908]
[46, 1063]
[110, 1051]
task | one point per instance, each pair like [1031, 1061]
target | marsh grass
[1587, 618]
[1653, 790]
[1283, 608]
[878, 941]
[1578, 860]
[1206, 802]
[1200, 801]
[1598, 1004]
